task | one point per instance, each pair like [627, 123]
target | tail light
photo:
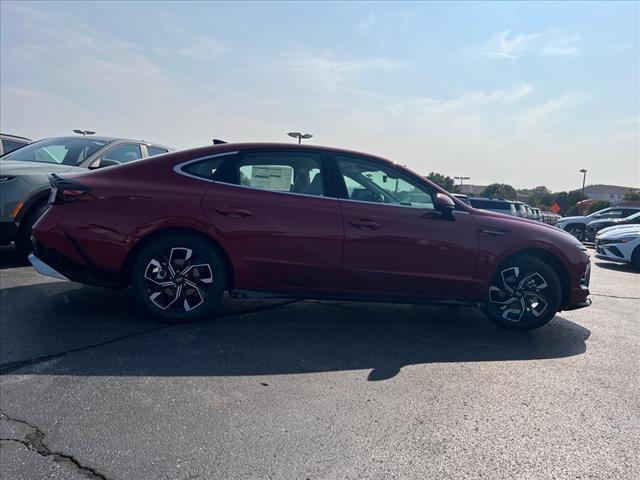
[65, 190]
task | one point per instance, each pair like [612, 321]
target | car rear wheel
[23, 237]
[525, 293]
[179, 278]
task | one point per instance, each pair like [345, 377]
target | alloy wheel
[177, 279]
[519, 296]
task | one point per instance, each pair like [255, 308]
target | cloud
[537, 118]
[332, 74]
[366, 24]
[514, 46]
[201, 48]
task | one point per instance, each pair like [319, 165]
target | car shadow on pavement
[94, 332]
[618, 267]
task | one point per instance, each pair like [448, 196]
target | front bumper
[610, 251]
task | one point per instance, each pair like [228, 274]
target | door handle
[364, 224]
[233, 212]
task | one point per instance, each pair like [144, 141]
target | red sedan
[300, 221]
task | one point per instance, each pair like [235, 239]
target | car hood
[18, 167]
[618, 230]
[515, 221]
[578, 218]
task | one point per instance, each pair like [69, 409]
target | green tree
[500, 190]
[444, 181]
[632, 195]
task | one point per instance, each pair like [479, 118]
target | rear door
[279, 213]
[396, 242]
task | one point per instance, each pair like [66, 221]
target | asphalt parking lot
[314, 390]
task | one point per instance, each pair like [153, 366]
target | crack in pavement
[34, 441]
[9, 367]
[614, 296]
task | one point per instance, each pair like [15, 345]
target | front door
[396, 242]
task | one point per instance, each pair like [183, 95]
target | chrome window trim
[275, 191]
[178, 168]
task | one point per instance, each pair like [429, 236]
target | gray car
[24, 183]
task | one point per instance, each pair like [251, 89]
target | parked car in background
[521, 210]
[621, 245]
[595, 226]
[25, 186]
[495, 205]
[9, 143]
[462, 197]
[300, 221]
[577, 225]
[549, 218]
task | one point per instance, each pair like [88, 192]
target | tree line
[540, 197]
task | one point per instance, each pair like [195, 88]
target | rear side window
[204, 168]
[293, 172]
[153, 151]
[11, 145]
[124, 153]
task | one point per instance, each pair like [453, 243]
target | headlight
[580, 247]
[6, 178]
[623, 239]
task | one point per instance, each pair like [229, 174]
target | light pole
[461, 179]
[584, 178]
[300, 136]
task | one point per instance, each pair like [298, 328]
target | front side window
[65, 151]
[124, 153]
[293, 172]
[369, 181]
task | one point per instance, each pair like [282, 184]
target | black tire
[525, 293]
[164, 274]
[23, 238]
[577, 230]
[635, 258]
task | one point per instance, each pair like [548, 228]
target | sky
[518, 93]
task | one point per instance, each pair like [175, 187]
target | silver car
[24, 183]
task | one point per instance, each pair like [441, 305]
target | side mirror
[444, 203]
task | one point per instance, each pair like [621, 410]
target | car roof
[491, 199]
[14, 136]
[107, 139]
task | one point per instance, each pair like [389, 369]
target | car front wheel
[525, 293]
[179, 278]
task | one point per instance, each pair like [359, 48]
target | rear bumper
[52, 263]
[44, 269]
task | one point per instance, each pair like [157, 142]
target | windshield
[64, 151]
[599, 212]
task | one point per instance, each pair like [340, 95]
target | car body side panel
[288, 241]
[410, 251]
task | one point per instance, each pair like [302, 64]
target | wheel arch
[140, 244]
[550, 259]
